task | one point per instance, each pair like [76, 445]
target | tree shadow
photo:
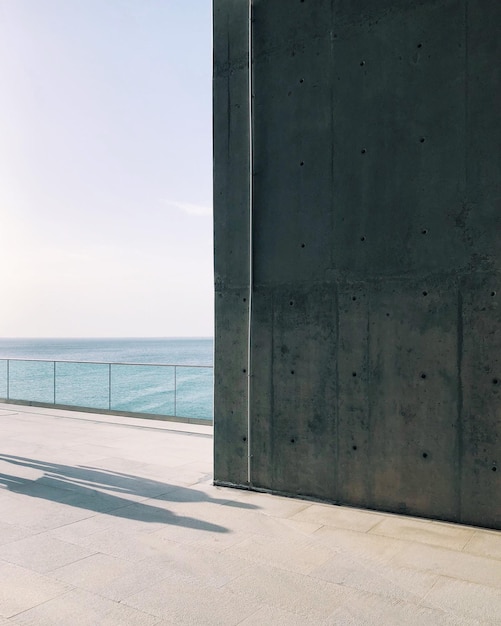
[104, 491]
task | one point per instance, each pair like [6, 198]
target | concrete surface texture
[115, 521]
[375, 317]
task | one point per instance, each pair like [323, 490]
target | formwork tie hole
[423, 375]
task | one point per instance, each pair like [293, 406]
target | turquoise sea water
[183, 391]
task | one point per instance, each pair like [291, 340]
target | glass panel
[31, 381]
[82, 384]
[195, 392]
[143, 389]
[159, 390]
[3, 378]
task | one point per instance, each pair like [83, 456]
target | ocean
[136, 375]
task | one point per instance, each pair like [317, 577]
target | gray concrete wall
[376, 243]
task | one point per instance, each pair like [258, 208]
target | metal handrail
[106, 363]
[3, 358]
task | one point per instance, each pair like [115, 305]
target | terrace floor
[112, 520]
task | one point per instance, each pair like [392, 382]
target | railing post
[175, 390]
[109, 386]
[8, 378]
[54, 383]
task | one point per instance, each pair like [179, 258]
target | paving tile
[444, 535]
[162, 514]
[200, 536]
[302, 556]
[120, 464]
[201, 492]
[11, 467]
[360, 572]
[92, 572]
[173, 476]
[39, 514]
[197, 565]
[460, 565]
[242, 520]
[42, 554]
[373, 610]
[463, 599]
[186, 603]
[80, 608]
[143, 575]
[75, 531]
[270, 526]
[485, 543]
[267, 504]
[22, 589]
[291, 592]
[338, 517]
[9, 533]
[277, 617]
[116, 543]
[375, 549]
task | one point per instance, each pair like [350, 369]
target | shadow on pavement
[105, 491]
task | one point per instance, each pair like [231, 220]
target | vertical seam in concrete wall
[332, 147]
[369, 394]
[460, 329]
[272, 389]
[331, 250]
[251, 260]
[466, 89]
[337, 421]
[459, 433]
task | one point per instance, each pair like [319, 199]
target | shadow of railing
[104, 491]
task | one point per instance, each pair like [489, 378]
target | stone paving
[110, 520]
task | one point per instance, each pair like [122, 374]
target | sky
[106, 168]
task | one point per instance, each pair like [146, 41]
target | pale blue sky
[105, 168]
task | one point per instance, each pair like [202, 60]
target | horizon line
[114, 337]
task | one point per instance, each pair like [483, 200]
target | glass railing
[184, 391]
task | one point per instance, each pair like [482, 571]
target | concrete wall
[376, 244]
